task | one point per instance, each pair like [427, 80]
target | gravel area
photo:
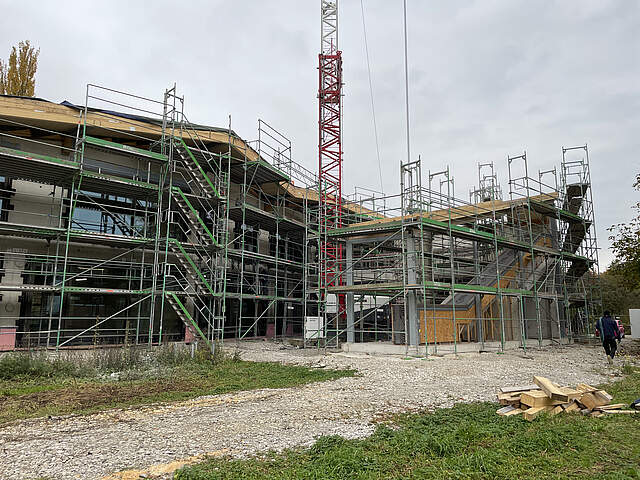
[242, 423]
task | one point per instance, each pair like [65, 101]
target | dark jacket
[608, 328]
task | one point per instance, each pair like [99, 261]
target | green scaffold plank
[468, 288]
[457, 231]
[74, 232]
[113, 178]
[99, 142]
[37, 156]
[105, 290]
[273, 168]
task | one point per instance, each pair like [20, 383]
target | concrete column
[478, 297]
[14, 263]
[412, 304]
[255, 316]
[351, 333]
[285, 315]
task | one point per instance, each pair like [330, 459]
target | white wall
[634, 317]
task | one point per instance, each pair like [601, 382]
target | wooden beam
[571, 407]
[554, 392]
[533, 412]
[590, 401]
[538, 398]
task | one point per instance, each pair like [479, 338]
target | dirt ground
[155, 440]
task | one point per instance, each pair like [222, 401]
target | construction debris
[546, 396]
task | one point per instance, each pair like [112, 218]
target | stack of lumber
[546, 396]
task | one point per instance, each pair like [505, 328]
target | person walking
[609, 333]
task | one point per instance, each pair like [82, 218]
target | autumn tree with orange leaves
[18, 75]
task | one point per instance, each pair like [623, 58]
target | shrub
[30, 365]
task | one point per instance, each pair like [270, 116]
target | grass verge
[36, 386]
[468, 441]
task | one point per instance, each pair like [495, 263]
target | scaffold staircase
[198, 220]
[190, 269]
[198, 180]
[183, 314]
[197, 229]
[576, 199]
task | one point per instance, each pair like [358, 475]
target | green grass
[468, 441]
[39, 387]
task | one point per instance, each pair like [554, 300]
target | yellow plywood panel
[443, 328]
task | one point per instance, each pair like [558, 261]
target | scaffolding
[128, 224]
[122, 222]
[484, 274]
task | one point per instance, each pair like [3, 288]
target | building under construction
[122, 222]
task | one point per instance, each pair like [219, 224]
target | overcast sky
[488, 78]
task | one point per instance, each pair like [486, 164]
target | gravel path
[94, 446]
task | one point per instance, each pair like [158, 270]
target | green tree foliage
[18, 75]
[618, 295]
[620, 284]
[625, 238]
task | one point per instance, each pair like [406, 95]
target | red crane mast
[330, 148]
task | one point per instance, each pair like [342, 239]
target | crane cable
[373, 109]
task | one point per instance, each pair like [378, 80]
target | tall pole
[406, 77]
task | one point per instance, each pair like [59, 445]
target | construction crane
[330, 150]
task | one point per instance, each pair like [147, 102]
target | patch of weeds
[37, 365]
[236, 355]
[628, 368]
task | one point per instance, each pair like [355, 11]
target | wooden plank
[603, 396]
[571, 407]
[615, 406]
[571, 393]
[537, 398]
[619, 412]
[533, 412]
[590, 401]
[556, 410]
[520, 389]
[508, 411]
[508, 398]
[583, 387]
[550, 389]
